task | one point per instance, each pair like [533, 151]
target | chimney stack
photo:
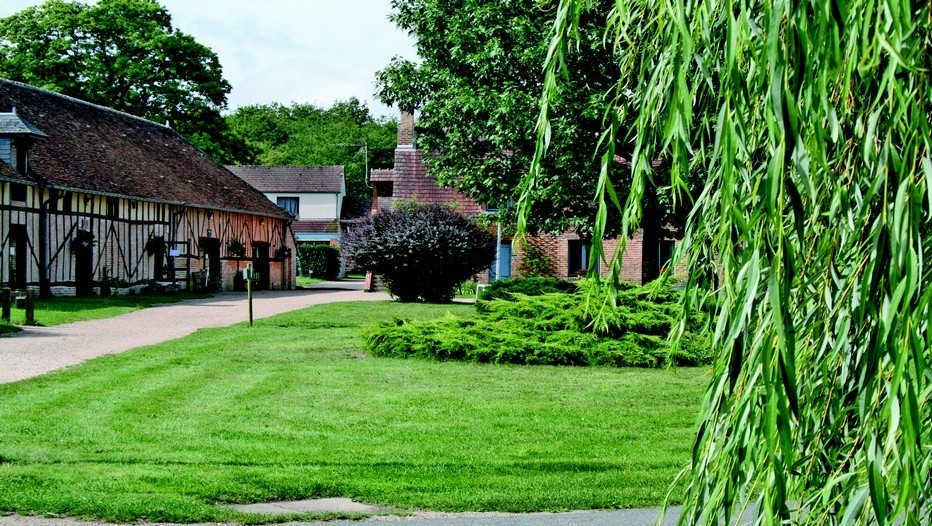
[406, 130]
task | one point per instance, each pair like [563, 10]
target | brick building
[409, 180]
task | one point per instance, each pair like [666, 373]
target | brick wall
[558, 249]
[406, 130]
[229, 269]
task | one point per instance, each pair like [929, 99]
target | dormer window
[16, 136]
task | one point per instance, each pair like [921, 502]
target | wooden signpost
[248, 274]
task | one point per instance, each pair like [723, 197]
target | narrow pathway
[39, 350]
[637, 517]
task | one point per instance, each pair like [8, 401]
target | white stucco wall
[314, 206]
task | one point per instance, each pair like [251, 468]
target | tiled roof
[7, 173]
[326, 226]
[411, 181]
[13, 124]
[356, 208]
[293, 179]
[99, 150]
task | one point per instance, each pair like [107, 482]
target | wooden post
[30, 307]
[249, 290]
[6, 304]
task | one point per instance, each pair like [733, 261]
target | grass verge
[6, 328]
[306, 281]
[291, 409]
[63, 309]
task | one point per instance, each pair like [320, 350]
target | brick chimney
[406, 130]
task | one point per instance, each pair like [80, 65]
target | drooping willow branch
[804, 128]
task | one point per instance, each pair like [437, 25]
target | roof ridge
[84, 102]
[285, 166]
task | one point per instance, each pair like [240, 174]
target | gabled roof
[316, 226]
[292, 179]
[13, 124]
[98, 150]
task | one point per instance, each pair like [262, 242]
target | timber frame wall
[121, 239]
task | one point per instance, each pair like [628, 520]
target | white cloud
[287, 51]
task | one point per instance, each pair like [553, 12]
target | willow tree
[810, 124]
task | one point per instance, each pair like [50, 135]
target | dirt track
[39, 350]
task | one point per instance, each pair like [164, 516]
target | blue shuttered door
[506, 263]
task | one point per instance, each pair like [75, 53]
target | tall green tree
[124, 54]
[304, 134]
[810, 125]
[477, 86]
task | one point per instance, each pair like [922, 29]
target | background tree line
[127, 55]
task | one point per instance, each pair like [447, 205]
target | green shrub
[421, 252]
[503, 289]
[318, 260]
[554, 328]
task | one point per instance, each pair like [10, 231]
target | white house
[313, 194]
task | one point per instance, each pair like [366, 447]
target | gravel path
[39, 350]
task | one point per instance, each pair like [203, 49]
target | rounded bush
[422, 252]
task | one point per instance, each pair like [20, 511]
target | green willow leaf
[806, 127]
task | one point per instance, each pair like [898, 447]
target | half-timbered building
[91, 197]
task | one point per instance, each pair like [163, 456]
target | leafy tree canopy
[811, 126]
[303, 134]
[123, 54]
[477, 86]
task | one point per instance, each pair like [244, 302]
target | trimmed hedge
[505, 288]
[549, 329]
[318, 260]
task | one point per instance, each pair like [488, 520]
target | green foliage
[306, 135]
[126, 55]
[535, 261]
[318, 260]
[506, 288]
[546, 329]
[289, 410]
[477, 83]
[810, 123]
[421, 252]
[236, 248]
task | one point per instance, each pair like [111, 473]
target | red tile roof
[292, 179]
[95, 149]
[328, 226]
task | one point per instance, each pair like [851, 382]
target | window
[384, 188]
[18, 192]
[113, 207]
[289, 204]
[579, 258]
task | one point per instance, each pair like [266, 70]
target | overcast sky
[315, 51]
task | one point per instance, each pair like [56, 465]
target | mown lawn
[63, 309]
[291, 409]
[306, 281]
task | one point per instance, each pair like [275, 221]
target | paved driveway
[39, 350]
